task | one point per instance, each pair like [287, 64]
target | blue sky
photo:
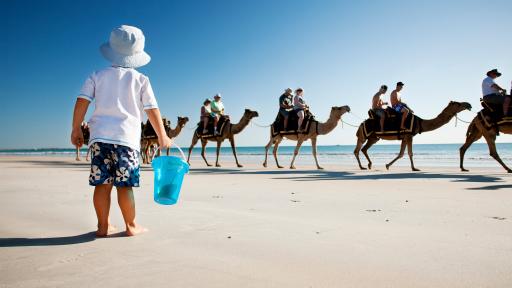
[340, 52]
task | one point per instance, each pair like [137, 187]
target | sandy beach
[256, 227]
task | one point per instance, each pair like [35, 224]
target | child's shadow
[52, 241]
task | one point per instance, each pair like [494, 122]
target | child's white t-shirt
[121, 95]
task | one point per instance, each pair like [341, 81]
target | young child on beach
[121, 94]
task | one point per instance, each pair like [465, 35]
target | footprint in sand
[498, 218]
[295, 201]
[373, 210]
[60, 262]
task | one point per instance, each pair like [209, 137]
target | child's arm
[77, 137]
[156, 121]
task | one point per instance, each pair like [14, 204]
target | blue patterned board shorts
[114, 164]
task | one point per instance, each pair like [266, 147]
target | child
[206, 113]
[121, 94]
[299, 105]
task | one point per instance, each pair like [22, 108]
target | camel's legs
[400, 155]
[77, 154]
[269, 144]
[232, 141]
[277, 141]
[359, 144]
[219, 142]
[367, 146]
[473, 135]
[313, 144]
[296, 152]
[88, 153]
[203, 149]
[194, 142]
[409, 151]
[491, 142]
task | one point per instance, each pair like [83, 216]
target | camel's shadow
[318, 175]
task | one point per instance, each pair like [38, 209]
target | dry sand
[256, 227]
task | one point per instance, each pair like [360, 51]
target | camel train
[488, 123]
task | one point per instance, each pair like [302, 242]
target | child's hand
[77, 137]
[164, 142]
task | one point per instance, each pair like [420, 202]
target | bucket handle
[173, 144]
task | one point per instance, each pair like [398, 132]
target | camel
[316, 129]
[422, 126]
[229, 132]
[146, 143]
[476, 130]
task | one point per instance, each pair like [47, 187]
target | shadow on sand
[492, 187]
[316, 175]
[50, 241]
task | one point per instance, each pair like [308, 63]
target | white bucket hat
[125, 47]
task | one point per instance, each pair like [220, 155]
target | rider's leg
[405, 112]
[382, 117]
[506, 104]
[300, 114]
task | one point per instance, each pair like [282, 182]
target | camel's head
[457, 107]
[338, 111]
[182, 121]
[250, 114]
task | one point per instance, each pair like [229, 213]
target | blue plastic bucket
[168, 174]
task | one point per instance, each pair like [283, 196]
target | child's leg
[205, 123]
[301, 119]
[382, 118]
[127, 204]
[101, 201]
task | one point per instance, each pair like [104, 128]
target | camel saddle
[223, 121]
[391, 123]
[492, 114]
[278, 125]
[148, 132]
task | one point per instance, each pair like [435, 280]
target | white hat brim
[131, 61]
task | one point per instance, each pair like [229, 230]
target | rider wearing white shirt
[493, 93]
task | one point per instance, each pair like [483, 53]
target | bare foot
[77, 159]
[134, 230]
[104, 232]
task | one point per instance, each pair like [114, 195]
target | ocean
[429, 155]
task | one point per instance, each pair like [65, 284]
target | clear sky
[340, 52]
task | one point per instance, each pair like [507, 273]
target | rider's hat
[494, 71]
[217, 96]
[400, 83]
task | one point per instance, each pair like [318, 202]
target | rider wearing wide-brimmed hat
[493, 93]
